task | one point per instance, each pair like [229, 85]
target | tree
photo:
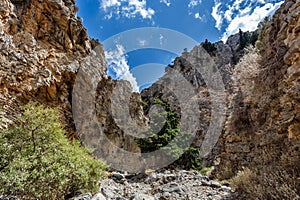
[247, 38]
[185, 156]
[209, 47]
[166, 134]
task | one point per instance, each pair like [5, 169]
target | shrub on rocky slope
[39, 162]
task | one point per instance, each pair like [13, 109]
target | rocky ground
[162, 185]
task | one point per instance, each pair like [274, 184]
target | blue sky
[198, 19]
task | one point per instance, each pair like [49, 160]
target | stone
[173, 187]
[185, 187]
[205, 182]
[98, 196]
[120, 198]
[140, 196]
[215, 184]
[225, 188]
[118, 176]
[87, 196]
[107, 192]
[166, 194]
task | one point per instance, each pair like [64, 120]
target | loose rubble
[162, 185]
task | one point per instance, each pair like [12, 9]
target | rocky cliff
[263, 129]
[42, 46]
[266, 114]
[44, 53]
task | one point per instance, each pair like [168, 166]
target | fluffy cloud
[248, 21]
[240, 16]
[126, 8]
[217, 15]
[193, 9]
[106, 4]
[117, 62]
[142, 42]
[198, 16]
[194, 3]
[167, 2]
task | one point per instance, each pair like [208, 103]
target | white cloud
[228, 14]
[237, 4]
[126, 8]
[117, 62]
[167, 2]
[260, 1]
[241, 14]
[198, 16]
[194, 3]
[142, 42]
[161, 39]
[247, 20]
[245, 11]
[105, 4]
[217, 15]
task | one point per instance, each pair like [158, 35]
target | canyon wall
[43, 47]
[262, 131]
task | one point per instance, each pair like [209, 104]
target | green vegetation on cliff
[187, 158]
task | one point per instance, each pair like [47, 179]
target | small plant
[39, 162]
[141, 102]
[206, 170]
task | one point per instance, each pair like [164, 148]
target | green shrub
[188, 157]
[39, 162]
[205, 171]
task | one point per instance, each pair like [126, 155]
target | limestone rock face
[42, 46]
[263, 129]
[47, 57]
[120, 136]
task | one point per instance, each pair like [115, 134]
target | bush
[39, 162]
[190, 159]
[270, 183]
[186, 157]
